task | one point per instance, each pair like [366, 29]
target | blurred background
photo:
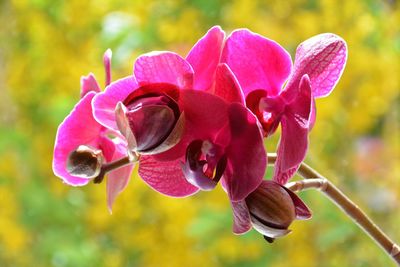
[45, 47]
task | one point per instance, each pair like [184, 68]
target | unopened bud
[152, 123]
[85, 162]
[271, 209]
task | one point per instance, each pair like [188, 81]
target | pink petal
[107, 66]
[78, 128]
[313, 115]
[294, 139]
[301, 209]
[163, 67]
[118, 179]
[89, 84]
[166, 177]
[246, 154]
[281, 176]
[104, 103]
[241, 217]
[205, 56]
[227, 86]
[205, 114]
[323, 58]
[257, 62]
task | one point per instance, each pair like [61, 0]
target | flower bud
[152, 122]
[271, 209]
[85, 162]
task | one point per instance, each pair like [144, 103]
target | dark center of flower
[205, 164]
[268, 119]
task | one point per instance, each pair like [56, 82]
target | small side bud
[85, 162]
[271, 210]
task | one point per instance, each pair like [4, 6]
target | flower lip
[269, 119]
[205, 164]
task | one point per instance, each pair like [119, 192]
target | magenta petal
[257, 62]
[313, 115]
[246, 154]
[241, 217]
[166, 177]
[281, 176]
[294, 139]
[163, 67]
[104, 103]
[118, 179]
[323, 57]
[205, 114]
[89, 84]
[227, 86]
[301, 209]
[78, 128]
[107, 66]
[205, 56]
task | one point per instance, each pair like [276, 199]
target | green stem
[314, 180]
[114, 165]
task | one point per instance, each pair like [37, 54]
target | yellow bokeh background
[45, 46]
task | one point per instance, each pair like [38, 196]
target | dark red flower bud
[273, 208]
[152, 123]
[85, 162]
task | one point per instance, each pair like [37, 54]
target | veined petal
[241, 217]
[89, 84]
[104, 103]
[166, 177]
[323, 57]
[293, 144]
[78, 128]
[205, 56]
[246, 154]
[226, 85]
[118, 179]
[163, 67]
[257, 62]
[301, 209]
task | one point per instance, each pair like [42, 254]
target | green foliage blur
[45, 46]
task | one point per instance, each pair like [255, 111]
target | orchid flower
[262, 67]
[187, 138]
[82, 144]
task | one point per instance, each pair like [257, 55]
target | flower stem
[317, 181]
[107, 167]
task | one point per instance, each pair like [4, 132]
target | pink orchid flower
[270, 207]
[262, 67]
[82, 144]
[187, 138]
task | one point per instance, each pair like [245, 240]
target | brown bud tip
[271, 209]
[85, 162]
[269, 239]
